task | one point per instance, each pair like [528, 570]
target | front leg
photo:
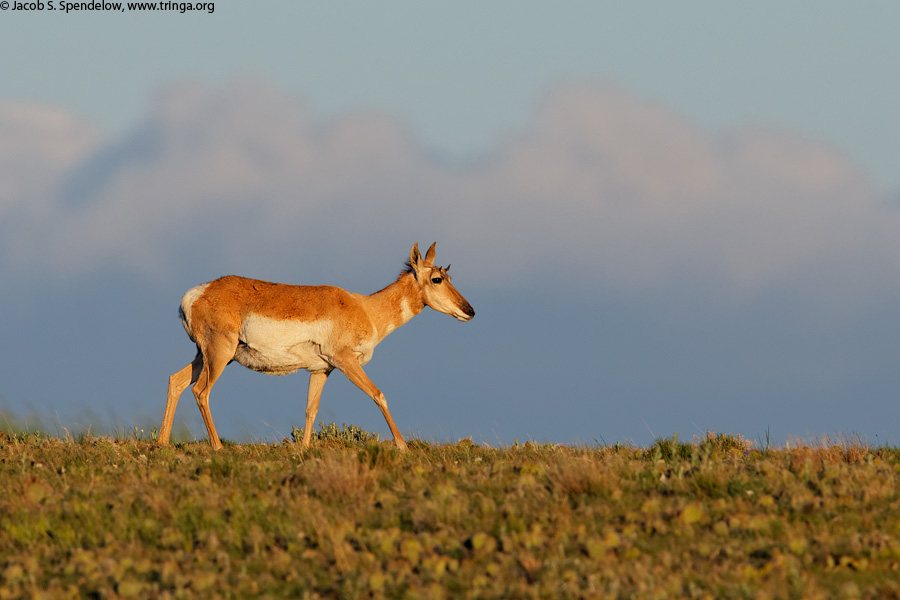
[348, 364]
[316, 383]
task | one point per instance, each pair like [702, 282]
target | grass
[716, 517]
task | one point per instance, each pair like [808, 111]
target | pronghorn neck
[396, 304]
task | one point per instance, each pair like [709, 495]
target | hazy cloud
[38, 145]
[602, 188]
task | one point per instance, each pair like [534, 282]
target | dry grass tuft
[338, 476]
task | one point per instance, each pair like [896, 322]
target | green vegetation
[717, 517]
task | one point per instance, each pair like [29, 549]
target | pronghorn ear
[429, 256]
[415, 259]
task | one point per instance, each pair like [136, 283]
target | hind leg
[316, 382]
[217, 356]
[178, 382]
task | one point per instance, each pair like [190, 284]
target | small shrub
[725, 443]
[349, 435]
[669, 449]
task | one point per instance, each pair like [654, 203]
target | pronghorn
[278, 329]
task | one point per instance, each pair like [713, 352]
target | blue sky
[670, 218]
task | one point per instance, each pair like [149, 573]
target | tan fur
[278, 328]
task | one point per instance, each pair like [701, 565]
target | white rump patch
[187, 302]
[280, 346]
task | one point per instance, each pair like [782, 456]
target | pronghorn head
[434, 282]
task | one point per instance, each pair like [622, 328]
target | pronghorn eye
[436, 279]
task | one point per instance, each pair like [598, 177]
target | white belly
[282, 347]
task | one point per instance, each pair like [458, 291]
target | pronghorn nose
[467, 308]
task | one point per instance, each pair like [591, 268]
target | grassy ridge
[109, 518]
